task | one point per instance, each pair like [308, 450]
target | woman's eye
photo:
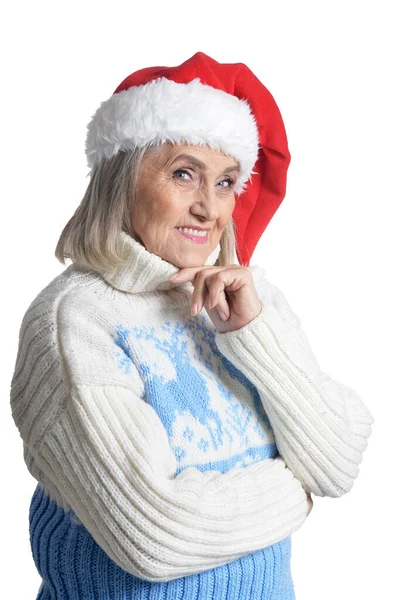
[229, 181]
[179, 172]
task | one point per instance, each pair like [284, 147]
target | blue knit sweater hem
[74, 567]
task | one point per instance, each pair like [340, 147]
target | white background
[331, 247]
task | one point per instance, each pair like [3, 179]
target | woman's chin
[195, 261]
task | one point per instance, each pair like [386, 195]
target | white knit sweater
[165, 487]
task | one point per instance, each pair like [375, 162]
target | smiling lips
[199, 237]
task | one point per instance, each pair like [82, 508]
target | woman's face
[189, 186]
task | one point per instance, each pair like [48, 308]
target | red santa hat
[204, 102]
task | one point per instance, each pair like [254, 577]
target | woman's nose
[207, 203]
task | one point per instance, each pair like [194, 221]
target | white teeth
[193, 231]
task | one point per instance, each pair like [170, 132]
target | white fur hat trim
[163, 110]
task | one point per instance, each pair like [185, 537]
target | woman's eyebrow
[200, 164]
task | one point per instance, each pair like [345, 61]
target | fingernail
[194, 309]
[175, 276]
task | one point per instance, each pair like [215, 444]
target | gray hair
[91, 238]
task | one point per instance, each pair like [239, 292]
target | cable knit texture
[161, 446]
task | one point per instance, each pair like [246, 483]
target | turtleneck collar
[144, 271]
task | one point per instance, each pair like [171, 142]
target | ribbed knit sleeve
[321, 426]
[101, 449]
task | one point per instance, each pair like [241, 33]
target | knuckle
[219, 276]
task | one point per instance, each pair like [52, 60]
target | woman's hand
[228, 291]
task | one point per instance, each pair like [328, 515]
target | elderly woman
[171, 409]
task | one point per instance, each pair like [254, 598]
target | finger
[220, 294]
[188, 273]
[200, 292]
[215, 286]
[223, 305]
[222, 308]
[203, 283]
[217, 298]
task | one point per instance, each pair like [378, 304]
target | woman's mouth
[196, 236]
